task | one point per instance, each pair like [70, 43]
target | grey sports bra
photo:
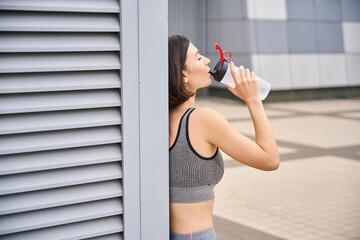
[192, 176]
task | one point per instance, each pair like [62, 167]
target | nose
[207, 61]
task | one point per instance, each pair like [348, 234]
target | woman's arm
[264, 135]
[261, 155]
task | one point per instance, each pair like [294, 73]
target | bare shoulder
[209, 117]
[213, 126]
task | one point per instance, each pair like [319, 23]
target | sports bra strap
[181, 127]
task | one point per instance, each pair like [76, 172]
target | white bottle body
[264, 86]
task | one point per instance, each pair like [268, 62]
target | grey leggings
[207, 234]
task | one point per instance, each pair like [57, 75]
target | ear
[185, 76]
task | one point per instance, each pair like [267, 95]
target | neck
[190, 103]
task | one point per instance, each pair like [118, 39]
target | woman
[195, 136]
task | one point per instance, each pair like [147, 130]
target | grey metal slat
[50, 62]
[38, 102]
[33, 181]
[78, 230]
[58, 81]
[59, 120]
[117, 236]
[42, 199]
[47, 160]
[58, 22]
[60, 215]
[64, 5]
[32, 142]
[58, 42]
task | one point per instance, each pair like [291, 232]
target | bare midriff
[191, 217]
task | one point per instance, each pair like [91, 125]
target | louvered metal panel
[107, 237]
[79, 230]
[60, 215]
[60, 120]
[43, 141]
[26, 182]
[31, 102]
[49, 42]
[64, 5]
[50, 62]
[42, 199]
[45, 160]
[58, 22]
[58, 81]
[45, 121]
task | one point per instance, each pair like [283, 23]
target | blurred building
[301, 46]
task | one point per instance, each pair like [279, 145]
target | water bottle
[221, 73]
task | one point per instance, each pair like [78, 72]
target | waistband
[207, 234]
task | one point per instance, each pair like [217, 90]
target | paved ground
[315, 194]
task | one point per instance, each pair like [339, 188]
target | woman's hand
[246, 85]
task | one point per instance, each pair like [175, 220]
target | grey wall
[131, 118]
[145, 114]
[188, 17]
[154, 139]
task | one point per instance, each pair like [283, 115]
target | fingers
[234, 73]
[253, 76]
[247, 73]
[242, 73]
[245, 85]
[232, 69]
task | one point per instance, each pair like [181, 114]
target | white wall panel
[270, 10]
[250, 7]
[304, 71]
[273, 68]
[332, 69]
[351, 34]
[353, 69]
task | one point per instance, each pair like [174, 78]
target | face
[197, 70]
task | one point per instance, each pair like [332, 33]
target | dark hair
[178, 93]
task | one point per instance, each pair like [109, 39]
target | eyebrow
[196, 52]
